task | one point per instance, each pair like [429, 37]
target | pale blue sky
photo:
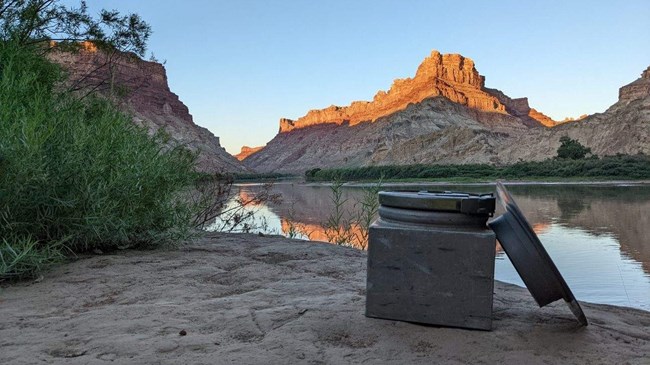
[241, 65]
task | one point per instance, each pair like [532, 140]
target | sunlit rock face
[638, 89]
[623, 128]
[520, 108]
[445, 115]
[247, 151]
[451, 76]
[141, 87]
[446, 100]
[542, 118]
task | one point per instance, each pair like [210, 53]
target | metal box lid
[440, 201]
[529, 257]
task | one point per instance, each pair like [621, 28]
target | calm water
[597, 235]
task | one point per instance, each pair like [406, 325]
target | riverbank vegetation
[262, 177]
[76, 174]
[605, 168]
[351, 227]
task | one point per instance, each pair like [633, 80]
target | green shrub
[572, 149]
[311, 173]
[78, 174]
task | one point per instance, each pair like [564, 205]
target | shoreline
[243, 298]
[445, 183]
[510, 182]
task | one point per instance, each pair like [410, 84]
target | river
[597, 234]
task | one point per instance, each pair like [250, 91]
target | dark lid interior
[529, 257]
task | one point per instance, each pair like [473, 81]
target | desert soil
[246, 299]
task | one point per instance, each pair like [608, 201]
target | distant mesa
[450, 75]
[247, 151]
[572, 119]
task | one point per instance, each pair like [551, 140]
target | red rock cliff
[247, 151]
[142, 88]
[520, 108]
[451, 75]
[638, 89]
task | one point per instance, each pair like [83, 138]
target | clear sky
[241, 65]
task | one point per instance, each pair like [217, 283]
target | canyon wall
[624, 128]
[446, 115]
[446, 98]
[638, 89]
[450, 75]
[141, 88]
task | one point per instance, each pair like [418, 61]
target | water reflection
[619, 212]
[599, 236]
[593, 266]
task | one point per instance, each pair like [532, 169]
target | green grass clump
[22, 257]
[78, 175]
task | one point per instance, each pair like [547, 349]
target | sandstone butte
[143, 90]
[638, 89]
[450, 75]
[247, 151]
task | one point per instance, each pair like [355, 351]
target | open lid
[529, 257]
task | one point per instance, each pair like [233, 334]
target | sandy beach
[249, 299]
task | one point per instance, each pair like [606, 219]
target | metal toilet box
[431, 259]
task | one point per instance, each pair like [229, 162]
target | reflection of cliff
[571, 207]
[305, 210]
[317, 232]
[309, 204]
[541, 228]
[632, 226]
[248, 198]
[623, 213]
